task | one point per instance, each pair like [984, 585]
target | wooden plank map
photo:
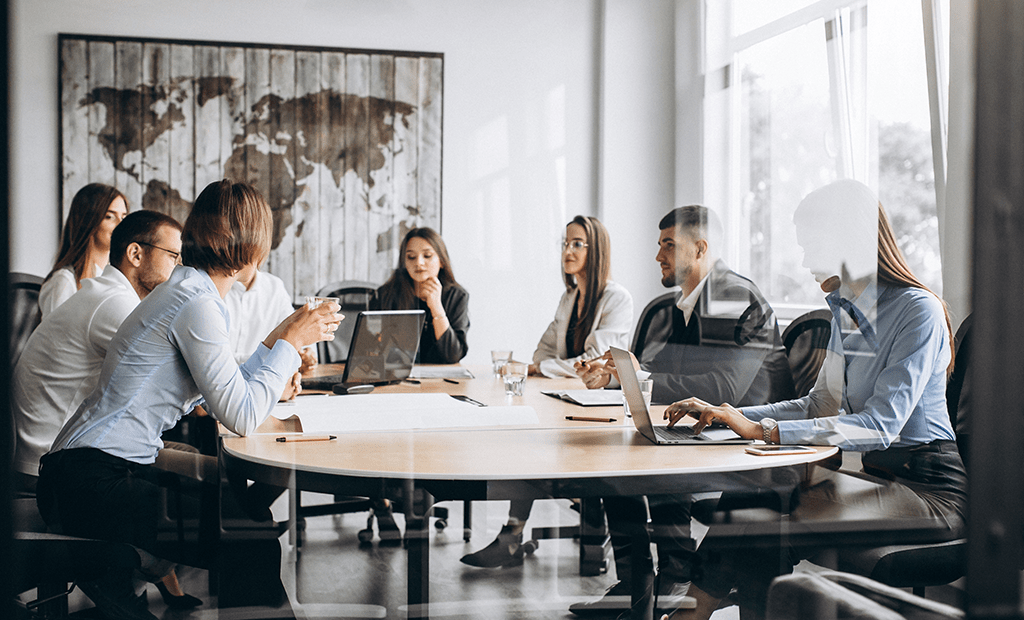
[345, 144]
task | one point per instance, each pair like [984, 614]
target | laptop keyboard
[678, 432]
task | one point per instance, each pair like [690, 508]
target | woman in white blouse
[593, 315]
[85, 243]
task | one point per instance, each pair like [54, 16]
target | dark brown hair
[399, 292]
[139, 227]
[88, 208]
[229, 227]
[597, 268]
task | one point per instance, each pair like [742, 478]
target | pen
[579, 418]
[306, 438]
[413, 381]
[451, 381]
[467, 399]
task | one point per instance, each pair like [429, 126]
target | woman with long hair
[881, 390]
[169, 356]
[85, 243]
[424, 280]
[593, 314]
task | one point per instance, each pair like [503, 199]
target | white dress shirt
[614, 319]
[61, 362]
[170, 355]
[255, 312]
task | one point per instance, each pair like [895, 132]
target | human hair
[597, 268]
[88, 208]
[699, 222]
[399, 292]
[140, 227]
[229, 227]
[893, 270]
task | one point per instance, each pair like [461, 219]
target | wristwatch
[768, 425]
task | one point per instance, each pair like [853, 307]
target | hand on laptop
[707, 413]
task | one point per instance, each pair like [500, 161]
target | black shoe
[115, 597]
[185, 601]
[387, 529]
[506, 550]
[616, 600]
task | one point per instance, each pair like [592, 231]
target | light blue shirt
[893, 393]
[170, 355]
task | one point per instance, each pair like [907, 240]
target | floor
[333, 576]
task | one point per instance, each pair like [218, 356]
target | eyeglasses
[176, 255]
[574, 246]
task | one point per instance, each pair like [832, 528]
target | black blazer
[729, 352]
[451, 347]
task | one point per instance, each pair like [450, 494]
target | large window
[802, 93]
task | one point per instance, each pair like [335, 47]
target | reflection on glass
[750, 14]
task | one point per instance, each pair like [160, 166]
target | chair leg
[467, 520]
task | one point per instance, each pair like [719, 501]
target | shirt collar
[688, 303]
[115, 275]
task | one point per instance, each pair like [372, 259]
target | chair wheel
[365, 536]
[440, 524]
[530, 546]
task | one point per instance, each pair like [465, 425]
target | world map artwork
[344, 144]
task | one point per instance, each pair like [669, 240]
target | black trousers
[88, 493]
[670, 531]
[927, 481]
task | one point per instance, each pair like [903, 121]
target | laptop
[383, 349]
[662, 435]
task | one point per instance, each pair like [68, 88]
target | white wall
[520, 124]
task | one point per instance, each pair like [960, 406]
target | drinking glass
[646, 388]
[514, 376]
[499, 358]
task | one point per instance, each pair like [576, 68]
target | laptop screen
[631, 390]
[384, 346]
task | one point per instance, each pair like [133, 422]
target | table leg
[417, 537]
[642, 581]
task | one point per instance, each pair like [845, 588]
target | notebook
[661, 435]
[588, 398]
[382, 351]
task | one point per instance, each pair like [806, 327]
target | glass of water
[316, 302]
[514, 376]
[646, 388]
[499, 358]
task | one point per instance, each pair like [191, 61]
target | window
[799, 94]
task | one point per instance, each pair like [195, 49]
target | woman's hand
[596, 373]
[533, 369]
[429, 290]
[707, 413]
[307, 326]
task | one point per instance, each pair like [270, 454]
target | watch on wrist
[767, 426]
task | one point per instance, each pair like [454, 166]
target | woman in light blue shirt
[881, 390]
[170, 355]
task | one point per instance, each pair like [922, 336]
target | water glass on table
[498, 359]
[646, 388]
[514, 376]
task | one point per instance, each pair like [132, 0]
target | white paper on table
[440, 372]
[387, 412]
[588, 398]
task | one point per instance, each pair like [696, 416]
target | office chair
[642, 335]
[806, 340]
[25, 313]
[353, 296]
[920, 566]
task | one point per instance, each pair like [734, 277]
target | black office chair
[25, 314]
[806, 340]
[353, 296]
[921, 566]
[642, 335]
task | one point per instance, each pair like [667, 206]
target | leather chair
[353, 296]
[806, 340]
[921, 566]
[23, 297]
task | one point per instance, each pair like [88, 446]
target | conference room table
[554, 457]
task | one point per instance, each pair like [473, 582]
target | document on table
[440, 372]
[588, 398]
[388, 412]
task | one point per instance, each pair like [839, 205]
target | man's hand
[707, 413]
[293, 388]
[308, 360]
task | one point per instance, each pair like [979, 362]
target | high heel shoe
[185, 601]
[505, 550]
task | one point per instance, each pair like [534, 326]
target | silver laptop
[625, 364]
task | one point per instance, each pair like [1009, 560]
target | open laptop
[661, 435]
[383, 349]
